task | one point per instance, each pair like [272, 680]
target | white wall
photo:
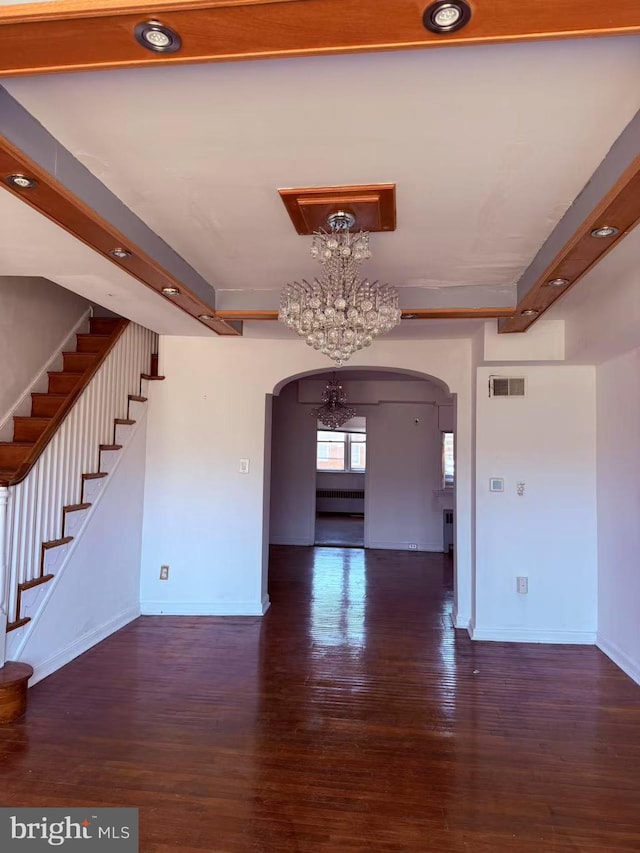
[36, 317]
[547, 441]
[204, 518]
[98, 590]
[404, 449]
[293, 470]
[618, 429]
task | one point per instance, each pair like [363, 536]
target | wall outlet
[522, 585]
[413, 546]
[520, 489]
[164, 573]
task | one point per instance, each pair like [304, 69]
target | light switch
[244, 466]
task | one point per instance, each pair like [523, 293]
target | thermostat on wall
[496, 484]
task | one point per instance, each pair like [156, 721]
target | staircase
[31, 434]
[53, 471]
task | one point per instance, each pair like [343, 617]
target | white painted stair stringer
[35, 600]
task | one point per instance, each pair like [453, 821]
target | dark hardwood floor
[340, 529]
[351, 718]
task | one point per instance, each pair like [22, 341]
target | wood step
[151, 378]
[63, 382]
[75, 507]
[29, 429]
[78, 361]
[46, 405]
[13, 454]
[110, 447]
[124, 421]
[136, 398]
[104, 325]
[98, 475]
[12, 626]
[56, 543]
[91, 343]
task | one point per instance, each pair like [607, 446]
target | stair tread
[11, 626]
[110, 447]
[36, 582]
[124, 421]
[95, 476]
[75, 507]
[31, 418]
[49, 394]
[55, 543]
[136, 398]
[65, 373]
[17, 443]
[149, 377]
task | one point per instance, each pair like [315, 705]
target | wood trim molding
[620, 207]
[51, 198]
[373, 205]
[407, 314]
[78, 35]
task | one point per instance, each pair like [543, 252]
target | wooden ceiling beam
[611, 198]
[407, 314]
[76, 35]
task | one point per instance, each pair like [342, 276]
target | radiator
[340, 500]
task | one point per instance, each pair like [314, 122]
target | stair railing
[31, 511]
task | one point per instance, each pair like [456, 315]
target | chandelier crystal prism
[339, 312]
[333, 412]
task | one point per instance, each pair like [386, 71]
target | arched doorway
[405, 418]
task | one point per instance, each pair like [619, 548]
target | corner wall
[618, 429]
[545, 440]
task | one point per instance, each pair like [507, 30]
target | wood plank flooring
[351, 718]
[335, 529]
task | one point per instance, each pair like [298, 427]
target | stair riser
[89, 343]
[29, 429]
[78, 361]
[45, 406]
[102, 325]
[62, 383]
[12, 457]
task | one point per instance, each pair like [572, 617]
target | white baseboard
[523, 635]
[460, 620]
[203, 608]
[404, 546]
[620, 658]
[81, 645]
[266, 604]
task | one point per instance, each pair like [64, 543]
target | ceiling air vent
[506, 386]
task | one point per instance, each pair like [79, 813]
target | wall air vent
[506, 386]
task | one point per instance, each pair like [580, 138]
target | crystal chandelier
[333, 412]
[339, 312]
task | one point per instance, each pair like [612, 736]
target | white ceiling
[488, 147]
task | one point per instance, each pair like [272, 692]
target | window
[448, 470]
[341, 451]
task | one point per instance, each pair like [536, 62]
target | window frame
[347, 468]
[448, 482]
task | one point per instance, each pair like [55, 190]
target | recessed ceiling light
[529, 312]
[171, 291]
[558, 282]
[206, 317]
[21, 182]
[157, 37]
[605, 231]
[444, 17]
[120, 253]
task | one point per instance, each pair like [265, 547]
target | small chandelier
[339, 312]
[333, 412]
